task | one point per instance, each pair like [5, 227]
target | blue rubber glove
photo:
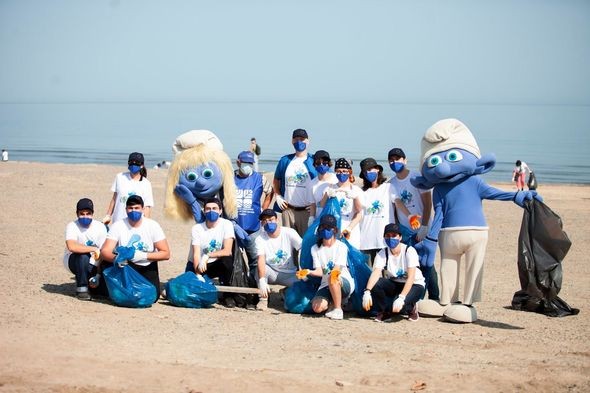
[426, 252]
[124, 254]
[522, 196]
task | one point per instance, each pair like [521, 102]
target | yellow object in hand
[301, 274]
[415, 221]
[334, 276]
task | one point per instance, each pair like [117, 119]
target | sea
[554, 140]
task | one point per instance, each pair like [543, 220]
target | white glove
[281, 202]
[263, 286]
[367, 300]
[107, 219]
[203, 262]
[310, 220]
[200, 278]
[398, 303]
[422, 232]
[331, 192]
[139, 256]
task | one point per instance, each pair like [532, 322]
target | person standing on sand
[84, 238]
[255, 149]
[4, 155]
[519, 174]
[126, 184]
[292, 184]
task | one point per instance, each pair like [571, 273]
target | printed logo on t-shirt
[279, 258]
[343, 204]
[244, 201]
[91, 243]
[214, 245]
[299, 177]
[123, 198]
[329, 267]
[406, 197]
[375, 207]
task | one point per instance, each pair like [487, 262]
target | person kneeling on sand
[402, 279]
[330, 263]
[274, 247]
[84, 237]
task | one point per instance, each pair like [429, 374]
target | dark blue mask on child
[397, 166]
[322, 168]
[391, 242]
[134, 215]
[326, 234]
[371, 176]
[134, 169]
[212, 215]
[270, 227]
[299, 146]
[342, 177]
[85, 221]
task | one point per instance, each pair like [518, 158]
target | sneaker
[336, 313]
[83, 296]
[262, 304]
[383, 317]
[229, 302]
[413, 316]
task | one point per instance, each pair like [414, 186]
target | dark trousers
[80, 265]
[386, 287]
[150, 273]
[221, 268]
[431, 279]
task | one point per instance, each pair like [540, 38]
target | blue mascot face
[449, 166]
[204, 181]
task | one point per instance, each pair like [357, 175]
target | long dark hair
[142, 172]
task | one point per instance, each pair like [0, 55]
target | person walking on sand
[126, 184]
[255, 149]
[4, 155]
[519, 174]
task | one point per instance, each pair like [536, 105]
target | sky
[529, 52]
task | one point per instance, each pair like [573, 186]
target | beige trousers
[454, 244]
[296, 219]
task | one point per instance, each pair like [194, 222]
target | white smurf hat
[447, 134]
[194, 138]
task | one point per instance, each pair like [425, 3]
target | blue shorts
[325, 291]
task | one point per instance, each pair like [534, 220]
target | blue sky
[482, 52]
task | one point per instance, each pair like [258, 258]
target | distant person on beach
[417, 201]
[519, 174]
[162, 165]
[255, 149]
[84, 238]
[275, 248]
[292, 183]
[322, 163]
[141, 233]
[349, 196]
[330, 262]
[4, 155]
[396, 274]
[126, 184]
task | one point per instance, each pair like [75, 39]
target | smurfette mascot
[451, 165]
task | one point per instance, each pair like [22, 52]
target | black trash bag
[532, 183]
[239, 278]
[542, 245]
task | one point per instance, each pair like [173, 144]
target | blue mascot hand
[124, 254]
[185, 194]
[241, 235]
[426, 250]
[522, 196]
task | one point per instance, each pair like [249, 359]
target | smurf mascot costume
[200, 170]
[451, 165]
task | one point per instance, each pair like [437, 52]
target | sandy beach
[52, 342]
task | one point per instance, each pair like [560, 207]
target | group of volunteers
[382, 218]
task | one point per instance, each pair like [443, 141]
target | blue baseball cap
[246, 156]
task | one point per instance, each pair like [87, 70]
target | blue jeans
[80, 265]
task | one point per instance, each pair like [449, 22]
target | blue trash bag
[128, 288]
[192, 291]
[298, 296]
[360, 272]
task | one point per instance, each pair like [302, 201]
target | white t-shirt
[329, 257]
[141, 238]
[318, 188]
[410, 196]
[278, 251]
[397, 266]
[297, 183]
[346, 199]
[94, 236]
[377, 212]
[210, 239]
[125, 186]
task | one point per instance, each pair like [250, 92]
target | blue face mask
[85, 221]
[299, 146]
[326, 234]
[392, 242]
[134, 215]
[134, 169]
[342, 177]
[270, 227]
[397, 166]
[212, 215]
[371, 176]
[322, 168]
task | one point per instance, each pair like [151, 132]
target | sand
[52, 342]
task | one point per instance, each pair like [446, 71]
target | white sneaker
[335, 314]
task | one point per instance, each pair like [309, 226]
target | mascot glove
[139, 256]
[522, 196]
[367, 300]
[415, 221]
[426, 250]
[185, 194]
[302, 274]
[334, 276]
[203, 262]
[422, 232]
[240, 233]
[281, 202]
[107, 219]
[263, 286]
[398, 303]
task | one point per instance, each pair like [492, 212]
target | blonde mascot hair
[192, 149]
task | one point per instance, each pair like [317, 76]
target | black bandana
[343, 163]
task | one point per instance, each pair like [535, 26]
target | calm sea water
[553, 140]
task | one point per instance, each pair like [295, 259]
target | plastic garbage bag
[128, 288]
[192, 291]
[360, 272]
[532, 183]
[239, 278]
[542, 245]
[298, 297]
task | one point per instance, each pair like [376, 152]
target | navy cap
[300, 133]
[246, 156]
[136, 157]
[329, 221]
[267, 213]
[321, 155]
[85, 204]
[392, 228]
[396, 151]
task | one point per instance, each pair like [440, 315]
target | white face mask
[246, 169]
